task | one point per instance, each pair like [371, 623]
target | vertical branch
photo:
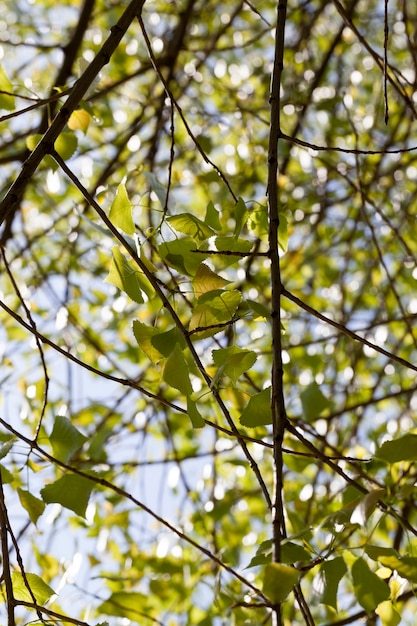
[4, 529]
[386, 35]
[277, 393]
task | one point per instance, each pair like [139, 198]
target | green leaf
[387, 613]
[212, 217]
[79, 120]
[176, 372]
[258, 410]
[130, 605]
[292, 552]
[65, 439]
[7, 102]
[401, 449]
[313, 402]
[40, 590]
[166, 342]
[144, 335]
[327, 581]
[125, 277]
[66, 145]
[258, 221]
[234, 361]
[206, 280]
[6, 475]
[182, 254]
[369, 589]
[406, 566]
[278, 581]
[121, 211]
[189, 224]
[228, 245]
[263, 554]
[366, 506]
[283, 232]
[240, 213]
[6, 447]
[157, 187]
[33, 506]
[214, 308]
[71, 491]
[194, 414]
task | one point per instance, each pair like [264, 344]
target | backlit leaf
[121, 211]
[313, 402]
[189, 224]
[124, 276]
[194, 414]
[401, 449]
[79, 120]
[144, 335]
[212, 217]
[71, 491]
[40, 590]
[206, 280]
[65, 438]
[33, 505]
[7, 102]
[234, 361]
[326, 582]
[278, 581]
[176, 372]
[369, 589]
[258, 410]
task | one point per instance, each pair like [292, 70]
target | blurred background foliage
[178, 123]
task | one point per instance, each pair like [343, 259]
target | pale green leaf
[388, 614]
[66, 145]
[121, 211]
[234, 361]
[144, 335]
[79, 120]
[65, 438]
[189, 224]
[31, 504]
[40, 590]
[206, 280]
[7, 101]
[213, 310]
[278, 581]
